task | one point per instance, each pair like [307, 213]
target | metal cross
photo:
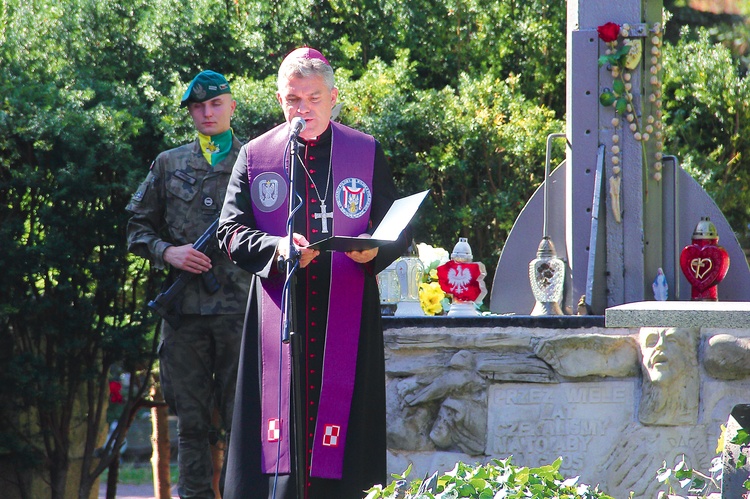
[323, 216]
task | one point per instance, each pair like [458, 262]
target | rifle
[166, 304]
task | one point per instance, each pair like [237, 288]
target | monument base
[473, 389]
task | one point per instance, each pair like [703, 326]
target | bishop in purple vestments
[346, 188]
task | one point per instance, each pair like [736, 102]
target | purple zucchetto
[306, 53]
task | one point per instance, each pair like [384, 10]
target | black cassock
[365, 451]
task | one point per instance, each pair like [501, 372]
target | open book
[394, 222]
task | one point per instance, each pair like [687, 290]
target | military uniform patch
[184, 177]
[353, 197]
[138, 196]
[268, 191]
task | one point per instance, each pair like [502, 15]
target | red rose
[608, 32]
[115, 395]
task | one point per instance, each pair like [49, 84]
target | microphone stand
[288, 325]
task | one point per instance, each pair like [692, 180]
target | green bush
[480, 148]
[707, 120]
[498, 479]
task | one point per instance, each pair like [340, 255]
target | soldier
[179, 199]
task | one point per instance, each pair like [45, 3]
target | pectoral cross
[323, 216]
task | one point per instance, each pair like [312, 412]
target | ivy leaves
[616, 58]
[616, 96]
[499, 478]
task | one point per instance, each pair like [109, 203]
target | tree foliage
[69, 142]
[479, 148]
[707, 105]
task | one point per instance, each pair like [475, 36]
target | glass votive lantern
[389, 288]
[410, 271]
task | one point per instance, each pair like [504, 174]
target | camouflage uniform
[181, 196]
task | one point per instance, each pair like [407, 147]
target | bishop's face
[308, 98]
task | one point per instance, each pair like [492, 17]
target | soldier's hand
[187, 258]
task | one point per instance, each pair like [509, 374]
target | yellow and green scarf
[216, 148]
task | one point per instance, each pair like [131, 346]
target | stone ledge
[714, 314]
[490, 321]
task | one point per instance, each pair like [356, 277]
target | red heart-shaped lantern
[704, 263]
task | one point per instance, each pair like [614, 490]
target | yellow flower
[720, 442]
[433, 275]
[430, 296]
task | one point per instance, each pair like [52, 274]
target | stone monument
[614, 402]
[632, 383]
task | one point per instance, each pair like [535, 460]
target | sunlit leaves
[71, 124]
[499, 479]
[479, 147]
[707, 117]
[616, 58]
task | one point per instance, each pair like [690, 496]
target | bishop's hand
[304, 253]
[363, 256]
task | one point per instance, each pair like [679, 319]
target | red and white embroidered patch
[274, 430]
[331, 435]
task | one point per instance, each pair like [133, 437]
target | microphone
[296, 126]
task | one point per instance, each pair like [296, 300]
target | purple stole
[353, 156]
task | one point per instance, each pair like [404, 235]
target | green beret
[206, 85]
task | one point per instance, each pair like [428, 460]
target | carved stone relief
[613, 404]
